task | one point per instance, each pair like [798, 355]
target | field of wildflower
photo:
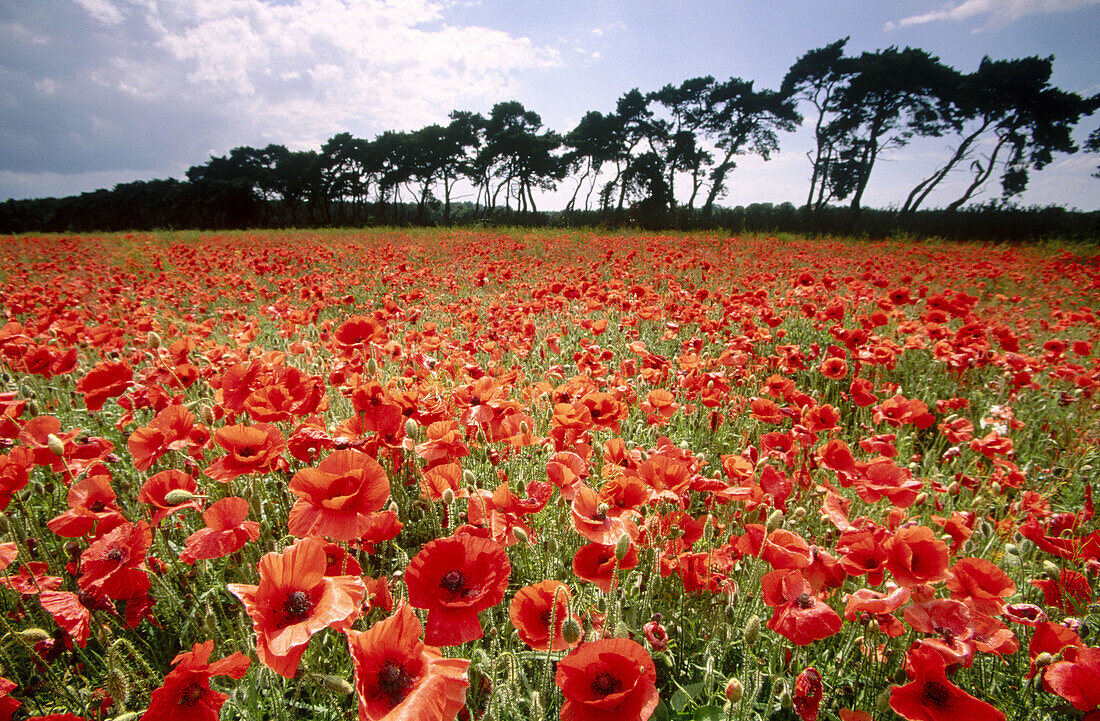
[427, 475]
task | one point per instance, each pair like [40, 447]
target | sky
[99, 92]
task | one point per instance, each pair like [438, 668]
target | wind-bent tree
[889, 97]
[817, 78]
[675, 140]
[595, 142]
[518, 156]
[1008, 113]
[741, 121]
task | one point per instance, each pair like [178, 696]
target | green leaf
[709, 713]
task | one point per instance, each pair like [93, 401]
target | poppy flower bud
[152, 340]
[882, 701]
[953, 488]
[519, 533]
[207, 414]
[752, 630]
[785, 701]
[334, 684]
[33, 635]
[734, 690]
[468, 477]
[482, 439]
[571, 630]
[800, 513]
[622, 547]
[921, 498]
[775, 520]
[177, 496]
[372, 368]
[55, 445]
[412, 428]
[1044, 659]
[448, 496]
[1051, 569]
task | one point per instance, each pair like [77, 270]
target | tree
[817, 78]
[740, 121]
[1010, 108]
[1092, 145]
[888, 97]
[518, 156]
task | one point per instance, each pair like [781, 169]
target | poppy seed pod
[152, 340]
[178, 496]
[752, 630]
[571, 630]
[448, 496]
[775, 520]
[622, 547]
[56, 446]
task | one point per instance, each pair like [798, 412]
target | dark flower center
[936, 693]
[191, 694]
[605, 684]
[97, 506]
[116, 554]
[394, 682]
[454, 582]
[246, 452]
[297, 606]
[804, 600]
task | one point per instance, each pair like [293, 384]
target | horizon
[82, 111]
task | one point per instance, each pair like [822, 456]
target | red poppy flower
[533, 610]
[1076, 678]
[980, 584]
[397, 676]
[14, 473]
[8, 705]
[866, 603]
[596, 563]
[172, 429]
[73, 612]
[931, 697]
[798, 616]
[295, 600]
[107, 380]
[114, 566]
[252, 449]
[916, 556]
[1049, 638]
[91, 503]
[338, 498]
[592, 520]
[455, 579]
[1070, 592]
[226, 531]
[185, 694]
[155, 490]
[611, 679]
[808, 691]
[31, 579]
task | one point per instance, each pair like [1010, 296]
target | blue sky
[97, 92]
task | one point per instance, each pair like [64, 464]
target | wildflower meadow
[492, 474]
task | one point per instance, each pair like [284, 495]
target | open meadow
[431, 474]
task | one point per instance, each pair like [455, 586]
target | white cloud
[996, 12]
[300, 72]
[102, 10]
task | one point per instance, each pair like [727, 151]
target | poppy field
[430, 474]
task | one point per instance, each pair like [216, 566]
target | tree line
[663, 158]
